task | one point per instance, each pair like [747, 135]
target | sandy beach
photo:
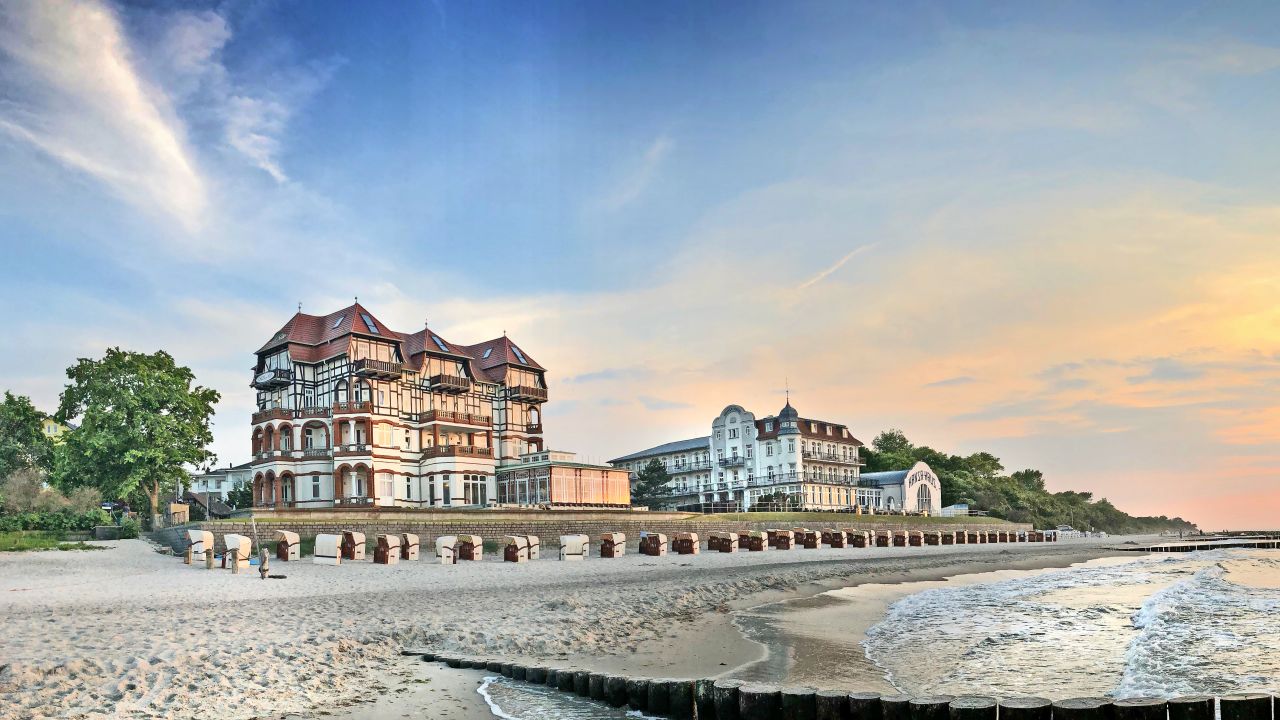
[132, 632]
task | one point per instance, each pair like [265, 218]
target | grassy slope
[22, 541]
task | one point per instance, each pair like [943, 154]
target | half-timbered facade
[352, 413]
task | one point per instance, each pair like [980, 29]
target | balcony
[272, 379]
[831, 458]
[535, 428]
[313, 412]
[457, 451]
[276, 413]
[357, 406]
[735, 461]
[454, 418]
[689, 467]
[316, 453]
[527, 394]
[352, 449]
[380, 369]
[449, 384]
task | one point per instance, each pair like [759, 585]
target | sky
[1046, 230]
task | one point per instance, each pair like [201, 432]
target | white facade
[745, 458]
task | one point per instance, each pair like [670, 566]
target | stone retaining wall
[492, 525]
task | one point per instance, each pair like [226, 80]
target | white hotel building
[813, 462]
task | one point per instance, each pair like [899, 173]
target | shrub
[130, 528]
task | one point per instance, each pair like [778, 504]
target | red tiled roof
[501, 351]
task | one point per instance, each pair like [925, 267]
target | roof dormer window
[519, 355]
[487, 353]
[440, 343]
[369, 323]
[338, 321]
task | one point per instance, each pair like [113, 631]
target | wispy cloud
[634, 184]
[75, 95]
[822, 275]
[952, 381]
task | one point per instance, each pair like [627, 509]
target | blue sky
[1048, 230]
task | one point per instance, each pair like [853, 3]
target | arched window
[340, 391]
[363, 394]
[924, 499]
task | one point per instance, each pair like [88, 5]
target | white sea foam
[1160, 625]
[515, 700]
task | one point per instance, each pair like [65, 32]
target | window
[338, 321]
[315, 487]
[368, 322]
[519, 355]
[733, 433]
[408, 488]
[440, 343]
[749, 447]
[791, 446]
[406, 440]
[768, 449]
[487, 353]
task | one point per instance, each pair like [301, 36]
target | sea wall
[547, 525]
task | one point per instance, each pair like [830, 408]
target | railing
[276, 413]
[352, 406]
[377, 368]
[831, 457]
[317, 452]
[457, 451]
[735, 461]
[313, 412]
[457, 418]
[272, 379]
[689, 467]
[525, 392]
[353, 449]
[449, 383]
[533, 428]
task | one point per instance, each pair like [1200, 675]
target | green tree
[23, 443]
[142, 418]
[240, 496]
[650, 484]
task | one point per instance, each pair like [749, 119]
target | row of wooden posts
[389, 548]
[724, 699]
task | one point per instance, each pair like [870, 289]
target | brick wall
[492, 525]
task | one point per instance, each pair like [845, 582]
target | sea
[1150, 626]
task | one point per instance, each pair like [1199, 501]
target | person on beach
[263, 562]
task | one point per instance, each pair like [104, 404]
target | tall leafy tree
[650, 484]
[23, 443]
[142, 418]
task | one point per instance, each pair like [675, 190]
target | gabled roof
[698, 443]
[304, 329]
[501, 351]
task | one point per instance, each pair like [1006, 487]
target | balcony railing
[734, 461]
[272, 379]
[455, 418]
[313, 412]
[377, 368]
[832, 458]
[457, 451]
[353, 449]
[277, 413]
[533, 427]
[689, 467]
[449, 383]
[352, 406]
[527, 393]
[317, 452]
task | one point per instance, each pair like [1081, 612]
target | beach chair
[993, 536]
[858, 538]
[915, 538]
[744, 540]
[1037, 536]
[713, 541]
[239, 545]
[834, 538]
[1002, 536]
[199, 542]
[535, 547]
[613, 545]
[757, 541]
[728, 542]
[933, 537]
[805, 538]
[973, 537]
[884, 538]
[574, 547]
[408, 546]
[328, 550]
[900, 538]
[653, 544]
[515, 548]
[386, 550]
[288, 546]
[470, 547]
[352, 545]
[784, 539]
[687, 543]
[447, 549]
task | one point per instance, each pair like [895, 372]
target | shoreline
[718, 645]
[134, 631]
